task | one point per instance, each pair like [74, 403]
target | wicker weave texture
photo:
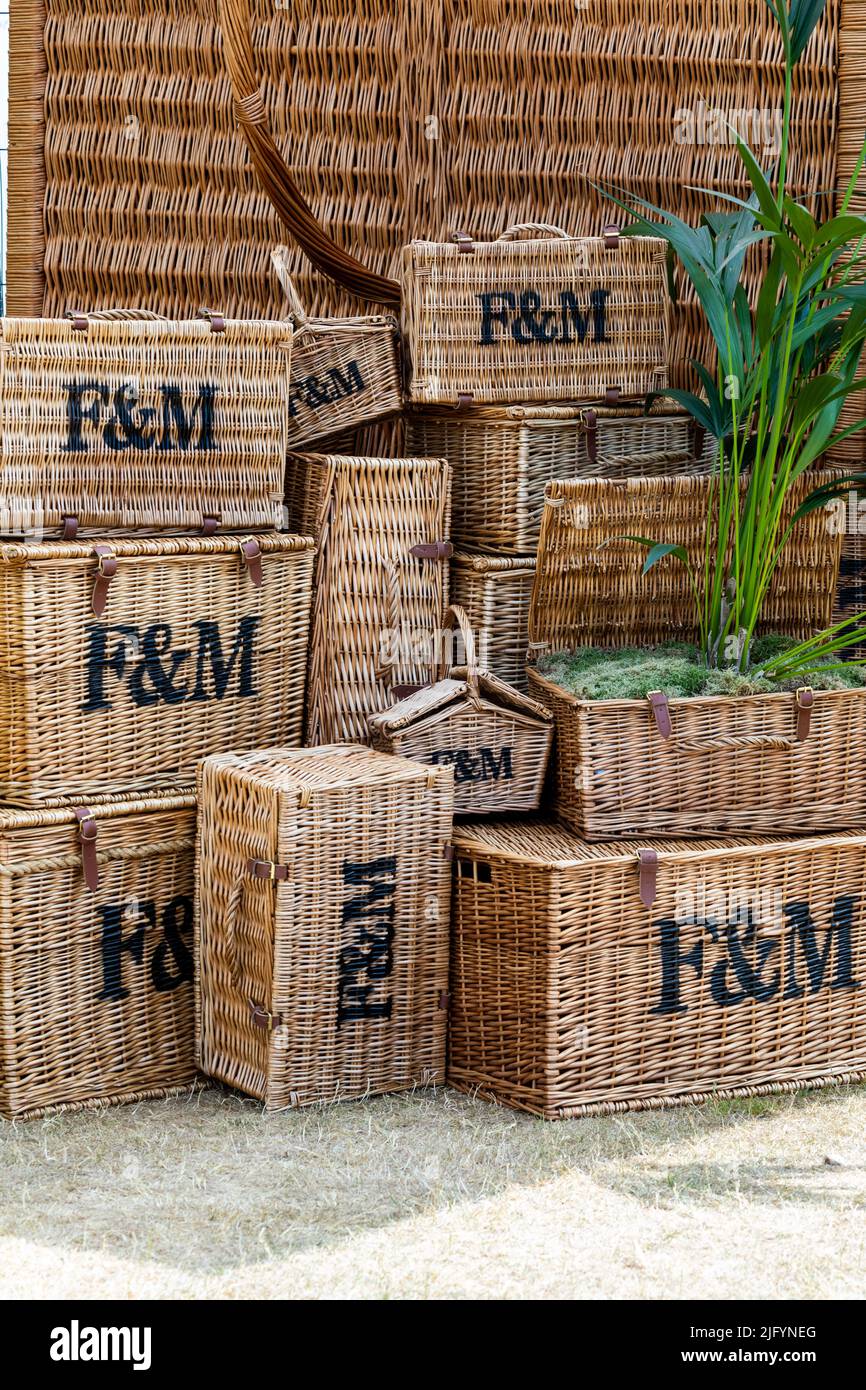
[96, 994]
[345, 373]
[188, 657]
[502, 458]
[349, 953]
[540, 318]
[570, 996]
[377, 608]
[589, 589]
[147, 424]
[495, 592]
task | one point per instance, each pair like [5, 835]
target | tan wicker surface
[502, 457]
[188, 657]
[343, 957]
[377, 607]
[540, 317]
[496, 739]
[142, 423]
[496, 592]
[96, 995]
[570, 996]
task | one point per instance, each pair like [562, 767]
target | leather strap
[210, 525]
[448, 853]
[435, 550]
[805, 701]
[402, 692]
[661, 712]
[612, 395]
[465, 244]
[649, 862]
[444, 999]
[217, 321]
[262, 1019]
[69, 526]
[79, 321]
[590, 424]
[87, 833]
[465, 399]
[610, 237]
[105, 573]
[252, 553]
[266, 868]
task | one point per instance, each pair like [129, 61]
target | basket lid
[48, 552]
[456, 692]
[482, 563]
[306, 770]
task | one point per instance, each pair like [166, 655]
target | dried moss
[591, 673]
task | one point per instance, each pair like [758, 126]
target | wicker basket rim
[350, 463]
[776, 697]
[351, 327]
[308, 770]
[431, 703]
[493, 564]
[419, 246]
[545, 416]
[15, 818]
[17, 329]
[45, 552]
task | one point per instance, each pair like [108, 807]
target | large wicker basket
[96, 995]
[764, 763]
[123, 664]
[346, 372]
[851, 591]
[502, 458]
[496, 739]
[127, 421]
[495, 592]
[548, 318]
[322, 923]
[381, 584]
[594, 979]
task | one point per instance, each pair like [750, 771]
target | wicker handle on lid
[533, 231]
[455, 616]
[280, 262]
[80, 318]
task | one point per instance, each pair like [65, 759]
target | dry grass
[436, 1196]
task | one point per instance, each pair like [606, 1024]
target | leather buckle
[262, 1018]
[267, 869]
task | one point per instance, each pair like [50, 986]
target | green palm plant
[784, 366]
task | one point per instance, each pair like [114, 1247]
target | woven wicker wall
[400, 118]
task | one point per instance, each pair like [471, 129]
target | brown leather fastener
[590, 424]
[649, 862]
[210, 525]
[610, 237]
[435, 550]
[448, 853]
[805, 700]
[465, 244]
[612, 395]
[699, 439]
[70, 526]
[252, 553]
[79, 321]
[661, 712]
[402, 692]
[217, 323]
[107, 571]
[263, 1018]
[266, 868]
[444, 999]
[464, 399]
[87, 833]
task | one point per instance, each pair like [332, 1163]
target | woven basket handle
[243, 986]
[274, 175]
[115, 315]
[532, 231]
[455, 616]
[804, 701]
[280, 262]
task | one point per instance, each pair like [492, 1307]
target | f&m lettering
[520, 317]
[154, 671]
[326, 389]
[114, 416]
[367, 957]
[486, 765]
[170, 963]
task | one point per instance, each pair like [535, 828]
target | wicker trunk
[592, 979]
[495, 591]
[322, 923]
[548, 318]
[96, 994]
[503, 457]
[112, 422]
[381, 583]
[123, 664]
[702, 765]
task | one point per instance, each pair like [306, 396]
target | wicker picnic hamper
[851, 590]
[322, 923]
[127, 421]
[495, 592]
[381, 585]
[592, 979]
[96, 997]
[548, 317]
[125, 662]
[502, 458]
[346, 372]
[496, 739]
[777, 762]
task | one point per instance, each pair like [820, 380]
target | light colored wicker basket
[495, 591]
[595, 979]
[322, 923]
[851, 590]
[127, 421]
[703, 765]
[502, 458]
[346, 372]
[546, 317]
[497, 740]
[381, 584]
[124, 663]
[96, 995]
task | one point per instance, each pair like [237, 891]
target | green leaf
[661, 551]
[802, 221]
[761, 187]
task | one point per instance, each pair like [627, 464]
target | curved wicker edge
[193, 1087]
[601, 1109]
[693, 701]
[40, 551]
[28, 68]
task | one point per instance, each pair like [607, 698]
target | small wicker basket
[96, 994]
[497, 740]
[495, 592]
[322, 923]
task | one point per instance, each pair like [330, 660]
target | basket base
[192, 1087]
